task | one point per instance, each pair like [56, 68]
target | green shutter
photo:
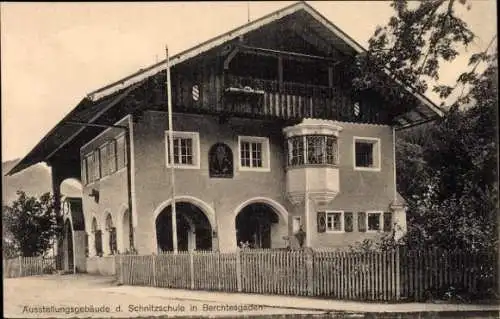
[362, 221]
[387, 221]
[321, 222]
[348, 222]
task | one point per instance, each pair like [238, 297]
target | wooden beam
[96, 116]
[312, 37]
[330, 76]
[287, 54]
[404, 118]
[230, 57]
[280, 73]
[422, 114]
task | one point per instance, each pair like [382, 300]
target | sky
[54, 54]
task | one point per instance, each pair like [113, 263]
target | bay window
[312, 150]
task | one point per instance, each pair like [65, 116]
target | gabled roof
[91, 106]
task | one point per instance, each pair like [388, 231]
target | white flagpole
[171, 154]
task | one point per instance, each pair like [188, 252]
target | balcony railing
[289, 100]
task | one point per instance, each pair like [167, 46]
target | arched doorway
[194, 231]
[68, 261]
[256, 224]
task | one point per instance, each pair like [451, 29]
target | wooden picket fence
[378, 276]
[28, 266]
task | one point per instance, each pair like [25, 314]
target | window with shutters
[334, 221]
[186, 149]
[366, 153]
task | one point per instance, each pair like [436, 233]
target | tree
[410, 49]
[456, 208]
[30, 224]
[447, 169]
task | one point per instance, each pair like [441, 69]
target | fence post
[119, 266]
[398, 274]
[191, 268]
[20, 266]
[238, 271]
[309, 271]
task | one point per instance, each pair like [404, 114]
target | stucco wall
[113, 196]
[105, 266]
[223, 196]
[220, 198]
[360, 191]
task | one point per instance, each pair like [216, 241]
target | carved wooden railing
[247, 95]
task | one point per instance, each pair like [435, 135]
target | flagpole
[171, 154]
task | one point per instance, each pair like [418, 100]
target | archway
[68, 262]
[71, 187]
[257, 226]
[194, 230]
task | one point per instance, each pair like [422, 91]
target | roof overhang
[63, 133]
[97, 102]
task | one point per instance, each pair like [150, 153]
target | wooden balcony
[290, 100]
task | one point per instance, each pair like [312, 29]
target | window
[296, 151]
[334, 222]
[186, 149]
[366, 153]
[254, 153]
[312, 150]
[374, 221]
